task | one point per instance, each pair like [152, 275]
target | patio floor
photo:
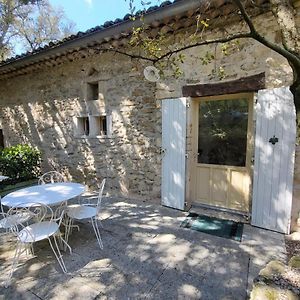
[146, 255]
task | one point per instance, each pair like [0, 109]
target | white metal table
[50, 194]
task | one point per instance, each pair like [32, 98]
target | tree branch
[291, 57]
[245, 15]
[207, 42]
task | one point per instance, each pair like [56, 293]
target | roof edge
[167, 11]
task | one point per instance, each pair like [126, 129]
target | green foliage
[20, 161]
[31, 24]
[207, 58]
[44, 24]
[230, 47]
[218, 73]
[201, 25]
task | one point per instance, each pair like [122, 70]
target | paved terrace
[146, 256]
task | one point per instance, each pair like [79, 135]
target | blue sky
[90, 13]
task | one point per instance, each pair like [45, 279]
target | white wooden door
[274, 160]
[173, 152]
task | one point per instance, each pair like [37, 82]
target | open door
[274, 160]
[173, 152]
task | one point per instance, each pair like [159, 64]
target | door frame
[192, 134]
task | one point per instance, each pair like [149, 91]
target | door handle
[273, 140]
[163, 150]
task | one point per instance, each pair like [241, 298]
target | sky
[90, 13]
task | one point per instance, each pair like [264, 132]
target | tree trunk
[286, 18]
[296, 183]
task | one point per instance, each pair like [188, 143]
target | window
[92, 91]
[102, 126]
[222, 132]
[83, 126]
[98, 125]
[93, 126]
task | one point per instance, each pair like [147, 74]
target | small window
[83, 126]
[98, 125]
[93, 126]
[102, 125]
[92, 91]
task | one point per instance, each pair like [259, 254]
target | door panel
[239, 190]
[219, 184]
[202, 188]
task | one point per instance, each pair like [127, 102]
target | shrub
[20, 162]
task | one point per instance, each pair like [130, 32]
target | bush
[20, 162]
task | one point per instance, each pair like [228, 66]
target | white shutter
[173, 152]
[274, 164]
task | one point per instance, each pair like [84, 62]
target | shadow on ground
[146, 255]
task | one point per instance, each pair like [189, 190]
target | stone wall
[247, 58]
[40, 108]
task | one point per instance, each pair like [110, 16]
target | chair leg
[97, 233]
[66, 224]
[14, 263]
[69, 225]
[65, 243]
[58, 254]
[29, 249]
[73, 226]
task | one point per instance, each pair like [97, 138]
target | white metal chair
[85, 211]
[8, 221]
[51, 177]
[40, 230]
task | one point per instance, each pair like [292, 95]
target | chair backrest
[101, 188]
[18, 216]
[51, 177]
[37, 212]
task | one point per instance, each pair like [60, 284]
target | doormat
[219, 227]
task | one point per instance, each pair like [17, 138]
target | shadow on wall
[130, 160]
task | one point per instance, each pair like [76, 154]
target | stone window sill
[92, 137]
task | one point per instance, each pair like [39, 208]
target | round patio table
[50, 194]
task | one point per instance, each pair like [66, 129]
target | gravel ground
[291, 278]
[292, 248]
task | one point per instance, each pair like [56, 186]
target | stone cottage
[93, 114]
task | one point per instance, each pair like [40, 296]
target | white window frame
[95, 130]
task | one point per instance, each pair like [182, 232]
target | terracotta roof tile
[80, 34]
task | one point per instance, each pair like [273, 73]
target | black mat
[219, 227]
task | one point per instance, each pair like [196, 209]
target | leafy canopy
[28, 24]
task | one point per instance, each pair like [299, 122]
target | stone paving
[146, 255]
